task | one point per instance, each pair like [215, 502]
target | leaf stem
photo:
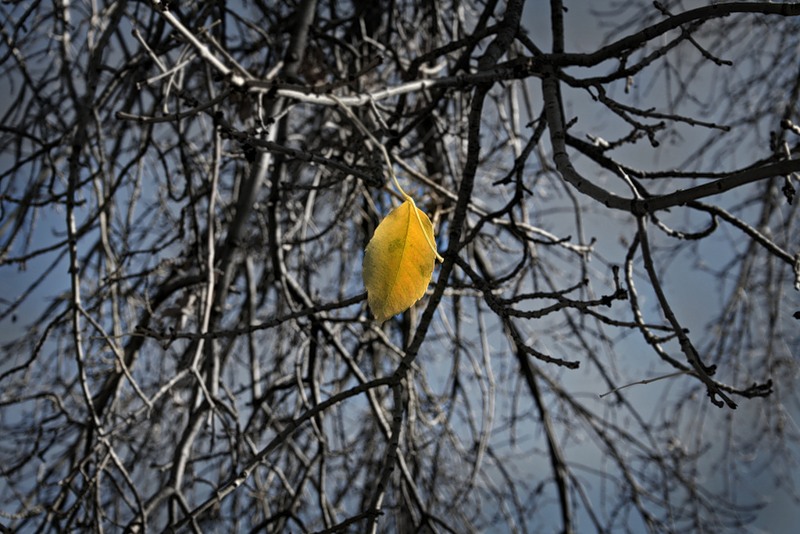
[389, 166]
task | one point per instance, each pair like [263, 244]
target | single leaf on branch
[398, 261]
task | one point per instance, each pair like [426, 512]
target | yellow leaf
[398, 261]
